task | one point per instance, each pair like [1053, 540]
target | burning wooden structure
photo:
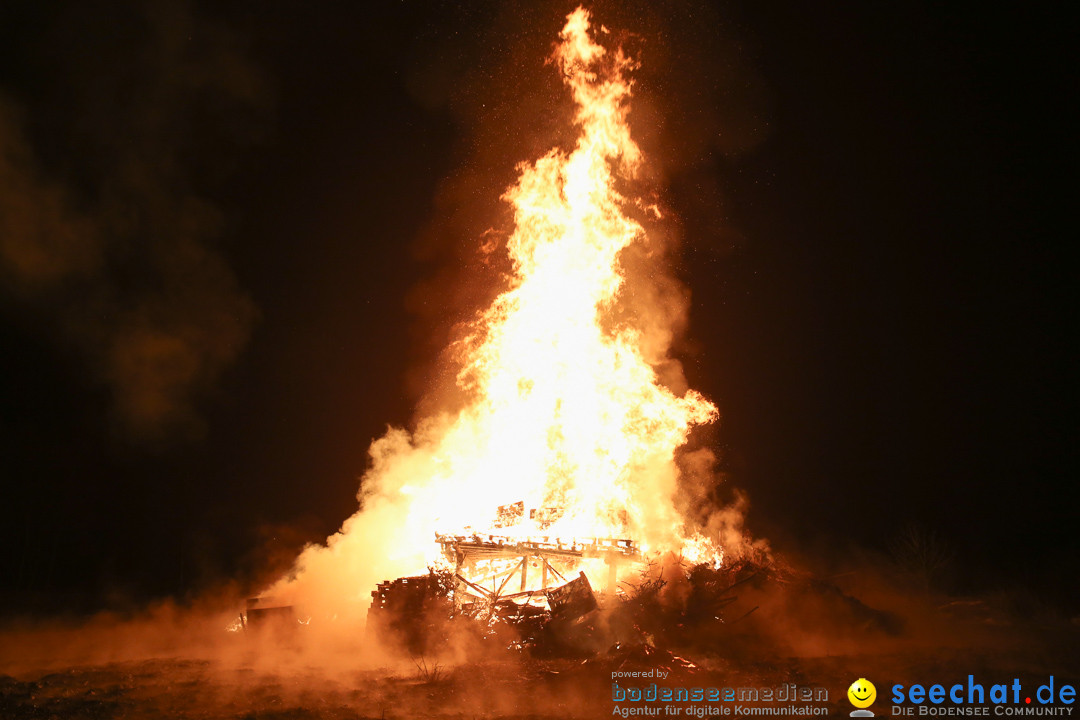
[490, 578]
[469, 552]
[486, 565]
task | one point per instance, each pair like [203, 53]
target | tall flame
[565, 410]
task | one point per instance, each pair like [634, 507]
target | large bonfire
[566, 411]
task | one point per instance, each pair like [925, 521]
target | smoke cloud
[111, 157]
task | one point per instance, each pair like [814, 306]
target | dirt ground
[243, 680]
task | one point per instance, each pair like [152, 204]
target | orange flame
[565, 410]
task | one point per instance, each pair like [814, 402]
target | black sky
[878, 251]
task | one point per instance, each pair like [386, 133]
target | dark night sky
[221, 272]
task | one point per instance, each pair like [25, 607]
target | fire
[567, 413]
[566, 410]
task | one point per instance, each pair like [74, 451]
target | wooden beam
[552, 568]
[510, 575]
[483, 591]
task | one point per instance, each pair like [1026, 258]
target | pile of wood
[410, 612]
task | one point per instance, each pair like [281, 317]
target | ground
[241, 683]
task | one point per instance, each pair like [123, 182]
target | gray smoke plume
[111, 151]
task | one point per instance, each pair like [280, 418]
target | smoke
[170, 660]
[111, 156]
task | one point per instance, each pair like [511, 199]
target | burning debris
[261, 612]
[490, 583]
[672, 605]
[622, 656]
[498, 559]
[573, 599]
[486, 579]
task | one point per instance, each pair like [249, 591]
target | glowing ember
[566, 411]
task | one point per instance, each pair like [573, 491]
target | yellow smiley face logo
[862, 693]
